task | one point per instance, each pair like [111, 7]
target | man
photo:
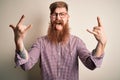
[58, 51]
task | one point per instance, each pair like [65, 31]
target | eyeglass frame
[62, 14]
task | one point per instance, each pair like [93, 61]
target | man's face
[59, 18]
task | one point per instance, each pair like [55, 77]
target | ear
[50, 17]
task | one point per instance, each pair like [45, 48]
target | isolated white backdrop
[83, 14]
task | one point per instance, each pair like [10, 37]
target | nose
[58, 17]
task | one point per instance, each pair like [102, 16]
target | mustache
[60, 22]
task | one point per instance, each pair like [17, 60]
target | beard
[56, 36]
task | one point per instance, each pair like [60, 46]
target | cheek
[65, 21]
[52, 19]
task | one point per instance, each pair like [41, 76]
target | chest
[60, 54]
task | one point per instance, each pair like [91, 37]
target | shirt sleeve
[87, 57]
[33, 56]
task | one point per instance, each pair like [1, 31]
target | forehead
[58, 10]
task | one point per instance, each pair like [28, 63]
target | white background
[83, 14]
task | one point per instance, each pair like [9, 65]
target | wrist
[19, 44]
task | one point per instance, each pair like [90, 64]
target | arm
[94, 59]
[87, 57]
[19, 34]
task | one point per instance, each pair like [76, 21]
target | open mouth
[59, 22]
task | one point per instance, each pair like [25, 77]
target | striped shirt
[59, 61]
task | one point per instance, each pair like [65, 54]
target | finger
[96, 28]
[21, 20]
[12, 26]
[92, 32]
[99, 21]
[28, 27]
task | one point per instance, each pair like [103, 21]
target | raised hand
[20, 29]
[98, 32]
[19, 33]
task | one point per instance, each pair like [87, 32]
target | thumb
[92, 32]
[89, 31]
[12, 26]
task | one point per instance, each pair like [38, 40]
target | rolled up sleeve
[33, 56]
[87, 57]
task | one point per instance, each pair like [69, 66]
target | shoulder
[42, 38]
[40, 41]
[75, 38]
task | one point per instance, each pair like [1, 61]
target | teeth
[59, 23]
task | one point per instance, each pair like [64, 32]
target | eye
[62, 14]
[54, 14]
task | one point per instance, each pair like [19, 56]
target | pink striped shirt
[59, 62]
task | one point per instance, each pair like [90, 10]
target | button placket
[59, 59]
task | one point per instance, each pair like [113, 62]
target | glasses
[62, 15]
